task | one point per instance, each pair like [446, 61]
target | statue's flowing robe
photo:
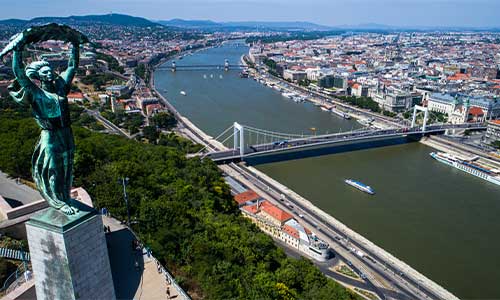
[52, 161]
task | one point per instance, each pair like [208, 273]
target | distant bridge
[225, 66]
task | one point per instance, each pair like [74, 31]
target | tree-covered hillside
[182, 209]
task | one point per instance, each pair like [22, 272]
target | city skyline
[407, 13]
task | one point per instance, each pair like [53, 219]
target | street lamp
[124, 182]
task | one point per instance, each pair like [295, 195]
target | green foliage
[18, 137]
[141, 71]
[407, 114]
[496, 144]
[183, 210]
[80, 118]
[291, 36]
[270, 63]
[163, 120]
[304, 82]
[113, 64]
[437, 117]
[151, 134]
[175, 141]
[97, 80]
[362, 102]
[389, 113]
[131, 122]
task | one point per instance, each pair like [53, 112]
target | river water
[439, 220]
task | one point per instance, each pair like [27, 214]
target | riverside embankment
[423, 210]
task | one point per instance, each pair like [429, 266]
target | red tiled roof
[75, 95]
[246, 196]
[250, 208]
[459, 76]
[476, 111]
[497, 122]
[275, 212]
[291, 231]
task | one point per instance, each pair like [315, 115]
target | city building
[478, 108]
[282, 226]
[76, 97]
[246, 198]
[294, 75]
[117, 90]
[359, 90]
[392, 99]
[493, 130]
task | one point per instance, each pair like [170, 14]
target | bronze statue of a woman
[52, 162]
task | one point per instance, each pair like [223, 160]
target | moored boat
[340, 113]
[468, 166]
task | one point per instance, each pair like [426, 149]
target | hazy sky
[328, 12]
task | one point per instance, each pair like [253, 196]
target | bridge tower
[239, 138]
[226, 65]
[174, 67]
[426, 115]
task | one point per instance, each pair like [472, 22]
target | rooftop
[275, 212]
[247, 196]
[291, 231]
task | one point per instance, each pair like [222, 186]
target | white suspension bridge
[248, 141]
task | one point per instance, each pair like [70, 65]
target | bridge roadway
[201, 67]
[328, 139]
[414, 284]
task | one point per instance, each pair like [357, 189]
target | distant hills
[109, 19]
[195, 24]
[255, 25]
[309, 26]
[126, 20]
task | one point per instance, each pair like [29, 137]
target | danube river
[439, 220]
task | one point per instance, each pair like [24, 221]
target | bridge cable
[272, 132]
[224, 132]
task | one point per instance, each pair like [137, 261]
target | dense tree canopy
[362, 102]
[182, 209]
[113, 64]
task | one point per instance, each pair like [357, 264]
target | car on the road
[300, 215]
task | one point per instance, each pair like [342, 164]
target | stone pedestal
[69, 256]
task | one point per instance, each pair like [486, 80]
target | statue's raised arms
[52, 162]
